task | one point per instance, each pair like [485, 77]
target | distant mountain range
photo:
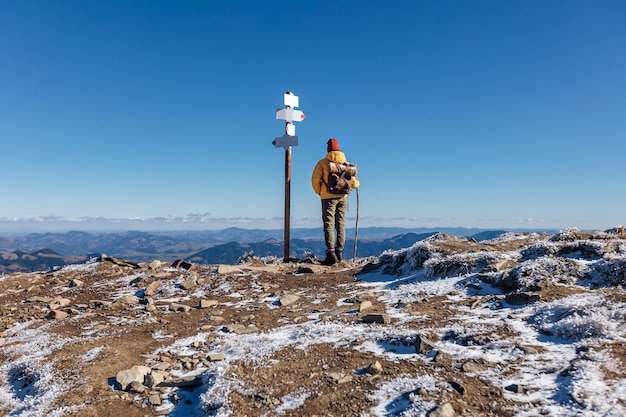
[42, 251]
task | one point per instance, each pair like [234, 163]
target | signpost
[289, 139]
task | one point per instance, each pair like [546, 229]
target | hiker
[334, 202]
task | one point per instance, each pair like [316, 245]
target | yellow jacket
[321, 171]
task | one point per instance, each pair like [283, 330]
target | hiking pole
[356, 225]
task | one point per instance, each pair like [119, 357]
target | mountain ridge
[206, 247]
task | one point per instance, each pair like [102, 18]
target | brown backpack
[340, 177]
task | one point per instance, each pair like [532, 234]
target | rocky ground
[447, 327]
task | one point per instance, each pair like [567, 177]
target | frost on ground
[520, 325]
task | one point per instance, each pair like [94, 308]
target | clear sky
[496, 114]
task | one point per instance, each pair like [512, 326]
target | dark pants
[334, 218]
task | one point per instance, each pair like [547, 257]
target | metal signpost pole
[289, 139]
[287, 224]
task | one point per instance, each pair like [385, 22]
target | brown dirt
[125, 336]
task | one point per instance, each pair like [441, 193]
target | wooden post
[287, 204]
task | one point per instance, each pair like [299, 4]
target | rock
[179, 307]
[57, 314]
[155, 400]
[444, 410]
[37, 300]
[190, 283]
[59, 303]
[228, 269]
[119, 262]
[476, 340]
[377, 318]
[365, 305]
[514, 388]
[152, 289]
[137, 387]
[99, 304]
[154, 378]
[156, 264]
[423, 345]
[288, 299]
[207, 303]
[163, 366]
[127, 300]
[370, 267]
[311, 269]
[216, 319]
[184, 382]
[339, 378]
[458, 387]
[135, 374]
[76, 283]
[180, 263]
[521, 298]
[374, 368]
[215, 357]
[471, 367]
[235, 328]
[442, 358]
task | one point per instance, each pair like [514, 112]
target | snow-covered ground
[560, 355]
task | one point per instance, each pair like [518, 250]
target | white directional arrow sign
[290, 115]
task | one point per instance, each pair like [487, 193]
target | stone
[228, 269]
[180, 263]
[442, 358]
[135, 374]
[365, 305]
[162, 366]
[516, 388]
[183, 382]
[155, 399]
[377, 318]
[152, 289]
[444, 410]
[458, 387]
[57, 314]
[207, 303]
[288, 299]
[127, 300]
[423, 345]
[156, 264]
[179, 307]
[521, 298]
[76, 283]
[215, 357]
[137, 387]
[59, 303]
[190, 283]
[216, 319]
[339, 378]
[235, 328]
[154, 378]
[36, 300]
[471, 367]
[374, 368]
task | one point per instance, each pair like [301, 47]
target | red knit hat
[332, 145]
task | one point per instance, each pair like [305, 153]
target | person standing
[334, 206]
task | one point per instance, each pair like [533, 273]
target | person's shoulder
[336, 156]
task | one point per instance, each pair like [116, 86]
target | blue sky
[494, 114]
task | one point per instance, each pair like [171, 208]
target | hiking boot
[338, 254]
[331, 259]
